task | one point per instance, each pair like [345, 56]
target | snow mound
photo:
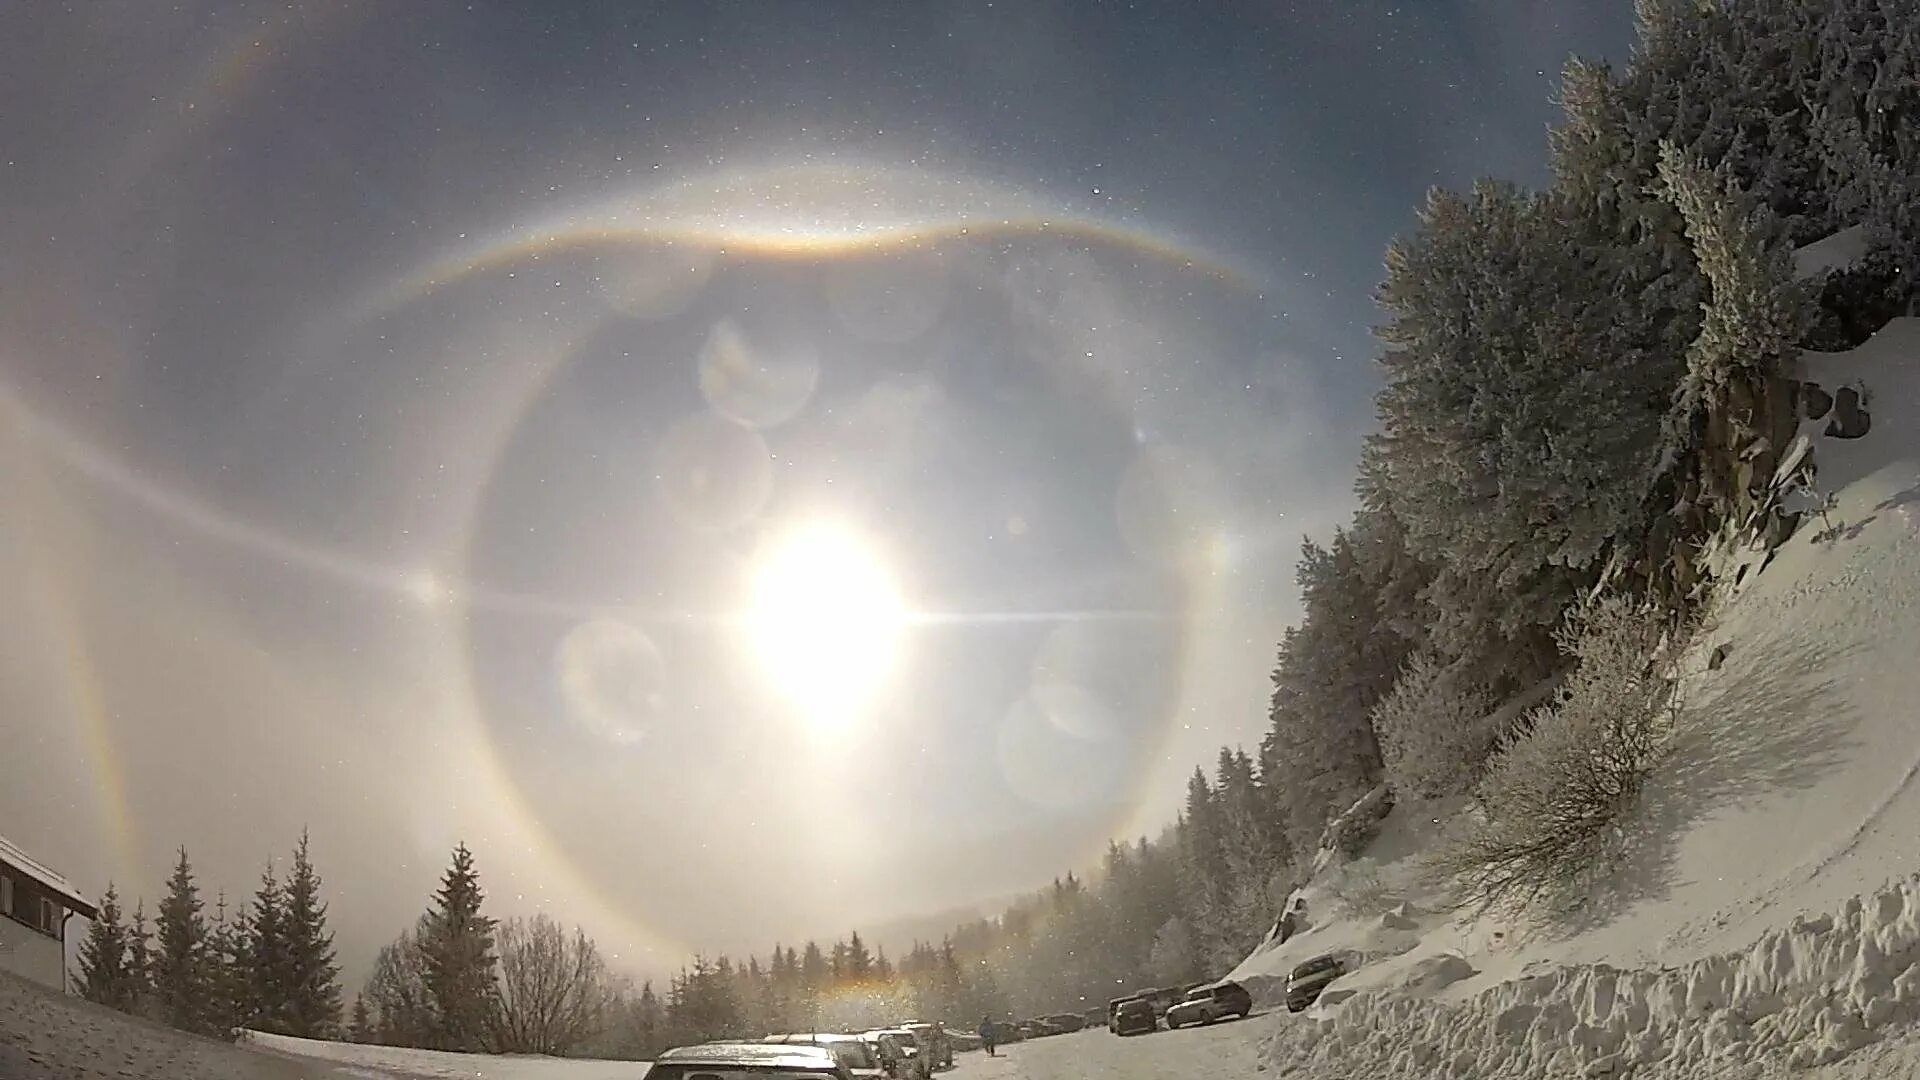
[1837, 252]
[1371, 910]
[1810, 992]
[384, 1061]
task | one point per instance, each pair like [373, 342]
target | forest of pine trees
[1161, 913]
[267, 966]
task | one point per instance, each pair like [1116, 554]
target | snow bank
[1837, 252]
[1810, 992]
[1372, 909]
[384, 1061]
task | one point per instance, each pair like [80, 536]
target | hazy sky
[750, 471]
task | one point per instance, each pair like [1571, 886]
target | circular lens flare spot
[714, 474]
[825, 620]
[612, 679]
[751, 384]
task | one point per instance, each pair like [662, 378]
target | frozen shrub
[1551, 798]
[1360, 888]
[1433, 730]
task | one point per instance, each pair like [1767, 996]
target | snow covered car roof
[776, 1055]
[12, 855]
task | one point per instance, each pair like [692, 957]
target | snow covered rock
[1837, 252]
[1436, 973]
[1350, 832]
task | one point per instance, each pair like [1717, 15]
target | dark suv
[1205, 1004]
[1309, 979]
[1131, 1016]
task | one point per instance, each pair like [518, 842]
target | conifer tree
[266, 956]
[312, 983]
[456, 947]
[231, 973]
[183, 980]
[105, 976]
[140, 963]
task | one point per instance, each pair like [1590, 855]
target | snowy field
[1767, 915]
[45, 1035]
[394, 1061]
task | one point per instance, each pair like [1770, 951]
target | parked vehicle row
[1191, 1005]
[912, 1051]
[1196, 1004]
[915, 1050]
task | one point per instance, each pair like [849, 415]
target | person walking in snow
[986, 1035]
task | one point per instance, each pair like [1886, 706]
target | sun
[824, 619]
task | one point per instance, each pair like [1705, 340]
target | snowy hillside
[395, 1061]
[1772, 857]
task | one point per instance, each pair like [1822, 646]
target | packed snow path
[1223, 1050]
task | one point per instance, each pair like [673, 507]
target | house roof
[14, 857]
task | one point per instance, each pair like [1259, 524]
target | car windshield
[546, 532]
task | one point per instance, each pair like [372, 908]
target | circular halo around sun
[824, 619]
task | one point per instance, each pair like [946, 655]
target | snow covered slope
[1792, 788]
[380, 1062]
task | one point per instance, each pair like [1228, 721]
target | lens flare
[612, 679]
[751, 384]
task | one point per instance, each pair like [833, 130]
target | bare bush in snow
[1360, 888]
[1551, 799]
[1433, 730]
[552, 991]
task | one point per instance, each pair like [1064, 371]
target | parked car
[1096, 1016]
[1066, 1021]
[1207, 1003]
[1034, 1029]
[1132, 1016]
[782, 1062]
[963, 1041]
[1160, 997]
[1006, 1031]
[899, 1053]
[932, 1041]
[1309, 979]
[856, 1053]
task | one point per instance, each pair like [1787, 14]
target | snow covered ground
[1223, 1050]
[46, 1035]
[394, 1061]
[1768, 913]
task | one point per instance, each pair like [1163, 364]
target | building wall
[26, 951]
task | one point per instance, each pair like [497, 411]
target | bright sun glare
[825, 619]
